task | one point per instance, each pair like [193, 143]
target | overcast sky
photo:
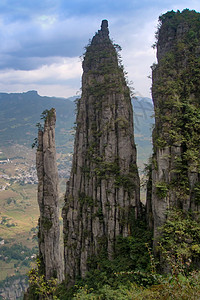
[42, 40]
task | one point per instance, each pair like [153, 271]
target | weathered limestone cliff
[176, 96]
[49, 229]
[14, 288]
[103, 191]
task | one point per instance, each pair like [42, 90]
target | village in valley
[22, 170]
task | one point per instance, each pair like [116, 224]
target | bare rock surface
[49, 228]
[14, 290]
[103, 191]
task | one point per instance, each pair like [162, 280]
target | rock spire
[102, 194]
[49, 229]
[176, 137]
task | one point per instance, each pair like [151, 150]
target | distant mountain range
[20, 112]
[143, 124]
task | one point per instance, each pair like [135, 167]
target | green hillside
[20, 112]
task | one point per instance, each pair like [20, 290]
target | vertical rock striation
[176, 96]
[49, 229]
[103, 191]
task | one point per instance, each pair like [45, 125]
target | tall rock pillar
[103, 191]
[49, 229]
[176, 97]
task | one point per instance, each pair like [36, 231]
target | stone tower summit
[103, 191]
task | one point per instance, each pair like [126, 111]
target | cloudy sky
[42, 40]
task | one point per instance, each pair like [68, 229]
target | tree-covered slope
[21, 111]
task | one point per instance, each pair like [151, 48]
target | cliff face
[103, 191]
[14, 288]
[176, 137]
[49, 229]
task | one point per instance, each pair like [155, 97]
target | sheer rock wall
[49, 228]
[103, 191]
[176, 97]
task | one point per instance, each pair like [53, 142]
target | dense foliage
[180, 241]
[132, 274]
[176, 94]
[17, 252]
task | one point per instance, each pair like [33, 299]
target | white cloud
[32, 46]
[136, 38]
[61, 76]
[59, 79]
[46, 20]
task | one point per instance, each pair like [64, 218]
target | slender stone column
[49, 228]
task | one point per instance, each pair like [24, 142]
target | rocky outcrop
[103, 191]
[49, 229]
[176, 137]
[13, 288]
